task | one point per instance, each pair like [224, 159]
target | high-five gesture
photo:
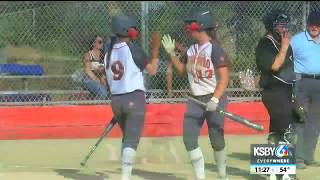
[168, 43]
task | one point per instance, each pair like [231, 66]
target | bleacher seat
[20, 69]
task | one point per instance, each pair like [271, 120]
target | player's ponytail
[113, 40]
[212, 33]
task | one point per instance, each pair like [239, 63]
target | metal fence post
[306, 10]
[144, 25]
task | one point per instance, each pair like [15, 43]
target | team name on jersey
[202, 61]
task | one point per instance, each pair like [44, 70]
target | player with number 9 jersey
[125, 62]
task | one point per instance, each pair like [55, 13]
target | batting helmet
[275, 18]
[200, 19]
[124, 26]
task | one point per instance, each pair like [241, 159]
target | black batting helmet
[124, 26]
[200, 19]
[274, 18]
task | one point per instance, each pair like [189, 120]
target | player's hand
[168, 44]
[285, 40]
[211, 106]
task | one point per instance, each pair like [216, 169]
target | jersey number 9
[117, 69]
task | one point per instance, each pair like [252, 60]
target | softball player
[207, 68]
[124, 63]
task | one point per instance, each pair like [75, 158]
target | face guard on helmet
[282, 20]
[276, 22]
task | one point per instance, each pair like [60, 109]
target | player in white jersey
[125, 62]
[207, 68]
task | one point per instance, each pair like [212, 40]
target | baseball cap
[314, 18]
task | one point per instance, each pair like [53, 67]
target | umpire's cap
[203, 16]
[274, 18]
[121, 24]
[314, 18]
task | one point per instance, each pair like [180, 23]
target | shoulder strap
[91, 56]
[274, 43]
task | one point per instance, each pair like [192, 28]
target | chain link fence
[42, 45]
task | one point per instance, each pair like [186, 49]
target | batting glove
[168, 43]
[212, 104]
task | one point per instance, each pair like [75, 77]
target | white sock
[286, 177]
[220, 158]
[272, 177]
[197, 161]
[128, 155]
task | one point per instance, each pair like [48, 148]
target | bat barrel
[105, 133]
[241, 120]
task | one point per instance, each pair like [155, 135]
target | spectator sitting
[94, 79]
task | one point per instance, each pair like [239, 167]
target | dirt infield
[157, 159]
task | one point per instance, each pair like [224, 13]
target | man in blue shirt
[306, 53]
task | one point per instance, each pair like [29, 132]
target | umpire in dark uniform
[274, 61]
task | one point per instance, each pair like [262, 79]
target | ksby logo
[263, 151]
[280, 151]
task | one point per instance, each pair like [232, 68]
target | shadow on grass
[79, 175]
[155, 175]
[233, 171]
[240, 156]
[151, 175]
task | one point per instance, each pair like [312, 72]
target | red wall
[55, 122]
